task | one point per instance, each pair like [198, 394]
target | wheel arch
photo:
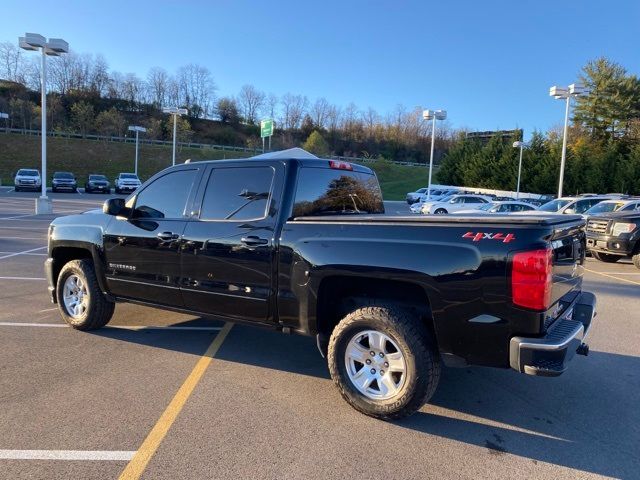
[341, 294]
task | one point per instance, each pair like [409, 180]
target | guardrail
[148, 141]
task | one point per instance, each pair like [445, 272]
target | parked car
[573, 205]
[615, 235]
[607, 206]
[413, 197]
[97, 183]
[454, 203]
[302, 246]
[64, 181]
[27, 179]
[127, 183]
[500, 207]
[436, 195]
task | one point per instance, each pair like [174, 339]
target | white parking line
[20, 253]
[27, 254]
[18, 216]
[101, 455]
[23, 238]
[620, 273]
[114, 327]
[22, 278]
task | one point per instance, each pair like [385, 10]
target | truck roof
[304, 162]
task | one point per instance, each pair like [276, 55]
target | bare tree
[196, 88]
[293, 109]
[270, 107]
[158, 84]
[319, 112]
[250, 100]
[132, 90]
[11, 63]
[334, 116]
[371, 120]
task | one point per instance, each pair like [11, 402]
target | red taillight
[340, 165]
[531, 279]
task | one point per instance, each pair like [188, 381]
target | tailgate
[569, 245]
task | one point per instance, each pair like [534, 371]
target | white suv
[27, 179]
[127, 182]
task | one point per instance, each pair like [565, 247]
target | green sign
[266, 128]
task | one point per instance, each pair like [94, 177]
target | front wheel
[384, 362]
[440, 211]
[81, 303]
[606, 257]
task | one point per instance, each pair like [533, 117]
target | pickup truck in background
[302, 245]
[613, 236]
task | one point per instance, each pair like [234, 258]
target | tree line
[86, 96]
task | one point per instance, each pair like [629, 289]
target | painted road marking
[21, 253]
[22, 238]
[21, 278]
[115, 327]
[611, 276]
[135, 468]
[117, 455]
[28, 254]
[18, 216]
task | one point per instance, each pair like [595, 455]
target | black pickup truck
[613, 236]
[303, 246]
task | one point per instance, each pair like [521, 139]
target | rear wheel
[383, 361]
[440, 211]
[606, 257]
[81, 303]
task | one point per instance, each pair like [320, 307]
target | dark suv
[64, 181]
[613, 236]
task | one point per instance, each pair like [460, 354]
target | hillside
[88, 156]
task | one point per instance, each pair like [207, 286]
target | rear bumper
[550, 355]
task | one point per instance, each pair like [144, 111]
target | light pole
[54, 48]
[137, 129]
[573, 90]
[520, 145]
[433, 115]
[176, 112]
[5, 116]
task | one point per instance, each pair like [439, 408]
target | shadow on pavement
[587, 419]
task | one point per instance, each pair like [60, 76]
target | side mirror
[115, 207]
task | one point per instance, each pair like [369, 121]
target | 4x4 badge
[490, 236]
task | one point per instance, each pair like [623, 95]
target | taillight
[340, 165]
[531, 279]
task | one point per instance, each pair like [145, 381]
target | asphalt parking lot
[172, 396]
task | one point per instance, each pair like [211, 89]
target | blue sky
[489, 63]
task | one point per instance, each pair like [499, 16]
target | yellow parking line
[611, 276]
[139, 462]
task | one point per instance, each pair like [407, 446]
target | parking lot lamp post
[137, 129]
[176, 112]
[54, 48]
[5, 116]
[562, 93]
[520, 145]
[432, 115]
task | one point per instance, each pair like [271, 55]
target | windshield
[487, 207]
[446, 199]
[63, 175]
[129, 175]
[555, 205]
[97, 177]
[604, 207]
[28, 173]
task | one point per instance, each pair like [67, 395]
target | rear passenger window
[237, 193]
[166, 197]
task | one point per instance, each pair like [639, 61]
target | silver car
[27, 179]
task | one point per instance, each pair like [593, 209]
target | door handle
[167, 236]
[253, 240]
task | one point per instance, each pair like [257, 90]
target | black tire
[17, 189]
[414, 342]
[636, 260]
[117, 190]
[99, 309]
[440, 211]
[606, 257]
